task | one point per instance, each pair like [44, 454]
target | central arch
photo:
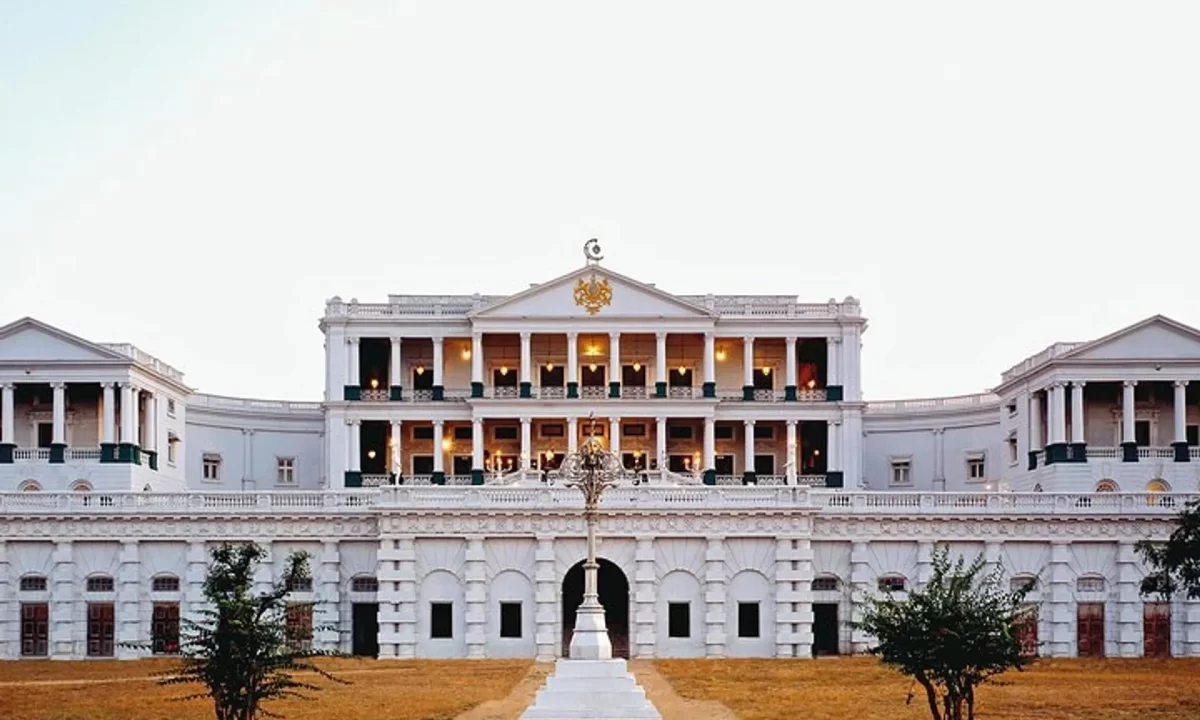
[613, 588]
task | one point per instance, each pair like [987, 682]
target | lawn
[392, 689]
[862, 689]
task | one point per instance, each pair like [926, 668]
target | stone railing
[956, 402]
[221, 402]
[1034, 361]
[646, 496]
[142, 357]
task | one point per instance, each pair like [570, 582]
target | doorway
[825, 629]
[364, 630]
[613, 587]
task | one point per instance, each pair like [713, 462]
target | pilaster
[925, 550]
[645, 584]
[68, 621]
[132, 624]
[1060, 603]
[860, 589]
[327, 581]
[405, 557]
[793, 597]
[1128, 598]
[193, 581]
[714, 598]
[10, 626]
[546, 615]
[390, 598]
[475, 572]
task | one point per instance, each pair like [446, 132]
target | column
[644, 578]
[7, 425]
[387, 574]
[354, 450]
[439, 455]
[660, 442]
[475, 567]
[614, 365]
[477, 365]
[862, 579]
[710, 451]
[714, 598]
[1180, 445]
[108, 430]
[526, 442]
[786, 598]
[1036, 445]
[547, 588]
[791, 462]
[248, 454]
[614, 436]
[939, 459]
[1058, 603]
[748, 368]
[353, 388]
[790, 380]
[748, 477]
[1128, 600]
[477, 443]
[834, 475]
[439, 362]
[395, 372]
[526, 365]
[129, 616]
[660, 365]
[397, 464]
[572, 435]
[58, 443]
[1129, 452]
[150, 446]
[326, 584]
[1078, 443]
[1057, 450]
[833, 369]
[405, 555]
[710, 365]
[125, 450]
[572, 365]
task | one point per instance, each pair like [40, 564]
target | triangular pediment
[610, 294]
[30, 340]
[1156, 338]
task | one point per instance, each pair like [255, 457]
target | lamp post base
[591, 690]
[590, 641]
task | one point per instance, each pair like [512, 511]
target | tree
[240, 649]
[1175, 564]
[956, 633]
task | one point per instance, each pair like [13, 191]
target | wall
[249, 445]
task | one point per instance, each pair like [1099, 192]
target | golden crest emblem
[592, 294]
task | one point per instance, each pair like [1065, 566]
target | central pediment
[592, 291]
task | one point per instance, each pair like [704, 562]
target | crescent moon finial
[591, 251]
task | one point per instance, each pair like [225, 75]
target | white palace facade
[766, 499]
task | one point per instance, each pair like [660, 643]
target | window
[892, 583]
[976, 467]
[502, 432]
[299, 584]
[463, 432]
[170, 407]
[422, 432]
[1014, 453]
[101, 629]
[723, 431]
[1089, 584]
[172, 448]
[30, 486]
[299, 630]
[33, 583]
[552, 430]
[825, 584]
[164, 583]
[1157, 486]
[364, 584]
[100, 584]
[1012, 409]
[1026, 583]
[441, 622]
[590, 430]
[902, 472]
[35, 629]
[1106, 486]
[748, 620]
[679, 620]
[510, 619]
[211, 467]
[287, 471]
[164, 629]
[679, 432]
[764, 432]
[634, 430]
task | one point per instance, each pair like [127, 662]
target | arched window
[893, 583]
[29, 486]
[1107, 486]
[1028, 583]
[1157, 486]
[81, 486]
[825, 583]
[164, 584]
[33, 583]
[364, 584]
[100, 584]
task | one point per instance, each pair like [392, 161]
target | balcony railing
[586, 392]
[1117, 454]
[72, 454]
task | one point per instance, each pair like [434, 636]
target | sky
[987, 178]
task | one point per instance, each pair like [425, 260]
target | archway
[614, 596]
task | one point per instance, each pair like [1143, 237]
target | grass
[391, 689]
[863, 689]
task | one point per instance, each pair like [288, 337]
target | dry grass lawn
[395, 690]
[862, 689]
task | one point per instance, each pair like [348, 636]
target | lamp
[720, 353]
[374, 383]
[637, 367]
[371, 454]
[503, 369]
[682, 370]
[549, 367]
[466, 353]
[447, 444]
[592, 367]
[812, 384]
[766, 371]
[420, 369]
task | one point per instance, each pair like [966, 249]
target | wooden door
[1090, 628]
[35, 629]
[1156, 629]
[101, 629]
[164, 629]
[1028, 633]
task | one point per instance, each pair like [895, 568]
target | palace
[765, 498]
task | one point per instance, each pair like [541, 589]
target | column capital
[834, 339]
[58, 386]
[526, 421]
[437, 339]
[477, 335]
[790, 339]
[1181, 383]
[439, 423]
[572, 336]
[748, 423]
[12, 386]
[352, 340]
[663, 335]
[660, 420]
[127, 385]
[352, 421]
[526, 336]
[1078, 383]
[614, 335]
[397, 423]
[747, 339]
[1131, 383]
[792, 423]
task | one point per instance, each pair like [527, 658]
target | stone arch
[1107, 486]
[613, 587]
[81, 486]
[680, 586]
[29, 486]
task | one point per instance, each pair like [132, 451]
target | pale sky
[198, 177]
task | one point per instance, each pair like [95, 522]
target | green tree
[240, 649]
[1175, 565]
[959, 631]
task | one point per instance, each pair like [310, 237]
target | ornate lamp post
[592, 469]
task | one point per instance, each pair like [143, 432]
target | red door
[1027, 629]
[164, 629]
[35, 629]
[1091, 629]
[1156, 629]
[101, 629]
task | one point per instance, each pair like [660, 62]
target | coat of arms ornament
[593, 292]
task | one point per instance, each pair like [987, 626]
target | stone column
[1129, 640]
[924, 563]
[1129, 451]
[790, 379]
[748, 368]
[478, 441]
[861, 579]
[58, 443]
[9, 608]
[714, 598]
[834, 475]
[614, 365]
[8, 441]
[68, 626]
[1078, 451]
[405, 556]
[130, 617]
[787, 598]
[439, 368]
[327, 581]
[526, 365]
[792, 462]
[572, 435]
[1180, 445]
[526, 443]
[660, 365]
[1036, 445]
[151, 430]
[939, 459]
[353, 387]
[397, 464]
[546, 589]
[1056, 451]
[475, 570]
[1059, 603]
[354, 450]
[396, 371]
[572, 365]
[439, 454]
[614, 436]
[193, 581]
[710, 365]
[128, 437]
[660, 442]
[645, 580]
[748, 475]
[710, 451]
[833, 369]
[477, 365]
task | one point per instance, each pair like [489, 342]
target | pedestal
[590, 640]
[591, 689]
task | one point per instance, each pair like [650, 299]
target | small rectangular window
[170, 407]
[299, 584]
[901, 472]
[364, 585]
[211, 468]
[422, 432]
[764, 432]
[441, 621]
[976, 467]
[723, 431]
[33, 583]
[825, 584]
[100, 584]
[891, 583]
[634, 430]
[165, 583]
[1089, 585]
[286, 474]
[748, 620]
[463, 432]
[679, 432]
[552, 430]
[503, 432]
[1013, 452]
[510, 619]
[679, 620]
